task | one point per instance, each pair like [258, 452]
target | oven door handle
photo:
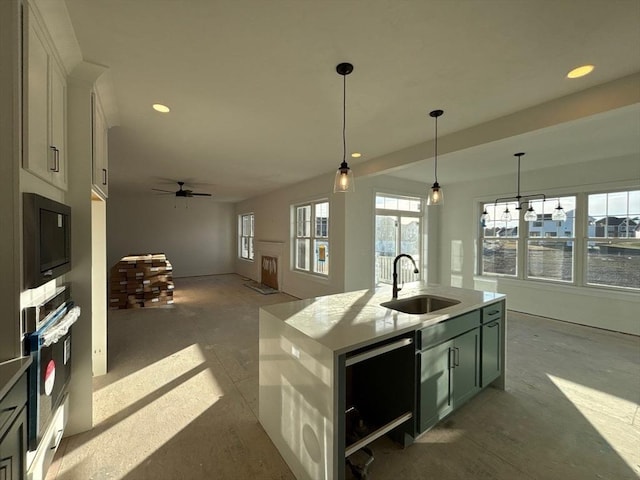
[58, 331]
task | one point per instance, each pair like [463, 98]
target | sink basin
[420, 304]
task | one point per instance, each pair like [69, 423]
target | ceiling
[256, 103]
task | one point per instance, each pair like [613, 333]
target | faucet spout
[395, 272]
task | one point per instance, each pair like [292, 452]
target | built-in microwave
[46, 239]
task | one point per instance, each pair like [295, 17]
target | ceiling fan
[183, 192]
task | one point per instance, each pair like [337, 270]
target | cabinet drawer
[448, 329]
[492, 312]
[13, 401]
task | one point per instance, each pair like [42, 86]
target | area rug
[260, 287]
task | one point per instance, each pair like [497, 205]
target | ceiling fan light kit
[183, 192]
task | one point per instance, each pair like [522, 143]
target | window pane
[407, 204]
[614, 215]
[615, 264]
[251, 248]
[386, 234]
[495, 226]
[303, 221]
[322, 219]
[544, 226]
[302, 256]
[410, 236]
[244, 248]
[321, 257]
[499, 256]
[550, 260]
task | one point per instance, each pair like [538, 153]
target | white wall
[198, 240]
[273, 224]
[351, 232]
[588, 306]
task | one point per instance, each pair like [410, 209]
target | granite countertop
[10, 372]
[346, 321]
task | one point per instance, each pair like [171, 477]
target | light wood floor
[180, 402]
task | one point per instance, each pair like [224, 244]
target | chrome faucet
[395, 272]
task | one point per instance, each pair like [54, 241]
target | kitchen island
[337, 372]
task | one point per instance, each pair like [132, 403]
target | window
[245, 236]
[398, 230]
[499, 239]
[550, 244]
[311, 242]
[598, 243]
[613, 239]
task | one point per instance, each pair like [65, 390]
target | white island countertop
[347, 321]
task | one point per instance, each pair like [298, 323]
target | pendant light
[558, 214]
[530, 214]
[344, 176]
[436, 196]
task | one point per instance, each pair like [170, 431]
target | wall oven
[48, 328]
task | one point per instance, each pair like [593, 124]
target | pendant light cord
[344, 119]
[436, 156]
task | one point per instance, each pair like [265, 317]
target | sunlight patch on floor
[599, 408]
[128, 390]
[159, 411]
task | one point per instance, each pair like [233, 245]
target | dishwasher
[378, 398]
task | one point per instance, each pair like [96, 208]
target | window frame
[581, 240]
[250, 236]
[400, 214]
[318, 235]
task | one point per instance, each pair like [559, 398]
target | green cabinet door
[466, 382]
[491, 352]
[13, 449]
[435, 385]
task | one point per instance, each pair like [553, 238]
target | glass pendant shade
[484, 218]
[506, 215]
[436, 195]
[530, 215]
[344, 181]
[559, 214]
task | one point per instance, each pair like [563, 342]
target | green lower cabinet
[466, 375]
[449, 376]
[435, 385]
[491, 358]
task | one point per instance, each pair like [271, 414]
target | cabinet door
[58, 127]
[13, 449]
[490, 352]
[435, 385]
[465, 374]
[39, 157]
[100, 156]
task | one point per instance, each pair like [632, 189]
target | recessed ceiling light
[356, 155]
[580, 71]
[161, 108]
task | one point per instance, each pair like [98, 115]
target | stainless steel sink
[420, 304]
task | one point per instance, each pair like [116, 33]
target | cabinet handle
[452, 361]
[494, 312]
[491, 325]
[457, 357]
[53, 150]
[57, 160]
[104, 176]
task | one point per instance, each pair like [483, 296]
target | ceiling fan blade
[200, 194]
[165, 191]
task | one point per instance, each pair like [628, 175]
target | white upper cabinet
[45, 108]
[100, 153]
